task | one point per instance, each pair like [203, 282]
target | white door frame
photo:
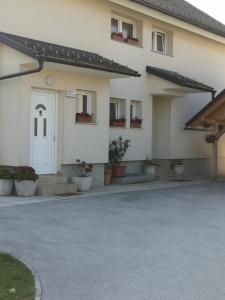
[55, 124]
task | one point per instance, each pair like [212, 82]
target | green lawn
[16, 280]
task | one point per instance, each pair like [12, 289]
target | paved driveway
[155, 245]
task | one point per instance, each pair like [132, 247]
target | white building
[46, 82]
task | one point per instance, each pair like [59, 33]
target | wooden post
[215, 154]
[214, 160]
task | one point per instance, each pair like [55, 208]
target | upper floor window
[124, 30]
[158, 41]
[162, 40]
[124, 26]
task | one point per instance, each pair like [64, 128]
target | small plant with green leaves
[117, 150]
[25, 173]
[176, 162]
[151, 163]
[6, 174]
[84, 169]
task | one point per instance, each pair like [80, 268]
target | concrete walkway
[164, 244]
[106, 190]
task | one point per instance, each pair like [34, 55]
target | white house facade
[111, 60]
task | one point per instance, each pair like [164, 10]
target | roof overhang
[61, 55]
[210, 115]
[172, 84]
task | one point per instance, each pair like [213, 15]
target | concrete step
[52, 179]
[132, 179]
[164, 172]
[56, 189]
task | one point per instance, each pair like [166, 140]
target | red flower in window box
[84, 118]
[117, 36]
[132, 41]
[136, 123]
[118, 122]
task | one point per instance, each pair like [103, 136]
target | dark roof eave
[92, 67]
[201, 87]
[33, 49]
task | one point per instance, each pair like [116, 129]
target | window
[136, 114]
[124, 26]
[132, 110]
[114, 25]
[117, 112]
[158, 41]
[83, 102]
[85, 107]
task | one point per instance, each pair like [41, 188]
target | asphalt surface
[163, 244]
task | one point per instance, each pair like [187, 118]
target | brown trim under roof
[205, 108]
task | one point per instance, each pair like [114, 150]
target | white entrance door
[43, 133]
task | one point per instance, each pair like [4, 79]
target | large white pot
[179, 170]
[26, 188]
[6, 187]
[83, 183]
[150, 170]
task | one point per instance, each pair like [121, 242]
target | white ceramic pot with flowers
[83, 180]
[6, 182]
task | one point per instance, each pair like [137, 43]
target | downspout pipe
[19, 74]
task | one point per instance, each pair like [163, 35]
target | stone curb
[37, 281]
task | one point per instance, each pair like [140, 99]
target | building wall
[87, 142]
[86, 25]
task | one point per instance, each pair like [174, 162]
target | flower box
[117, 37]
[118, 123]
[136, 123]
[133, 41]
[83, 118]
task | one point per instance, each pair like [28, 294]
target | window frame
[117, 110]
[155, 33]
[122, 20]
[89, 100]
[134, 110]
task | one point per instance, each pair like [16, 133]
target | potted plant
[25, 181]
[150, 168]
[178, 166]
[136, 123]
[117, 150]
[108, 174]
[6, 182]
[118, 122]
[83, 180]
[132, 41]
[84, 118]
[117, 36]
[210, 138]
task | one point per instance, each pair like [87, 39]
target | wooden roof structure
[212, 117]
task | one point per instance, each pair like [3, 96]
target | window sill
[84, 123]
[136, 128]
[118, 127]
[162, 53]
[126, 43]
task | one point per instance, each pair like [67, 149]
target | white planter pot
[150, 170]
[6, 187]
[179, 170]
[26, 188]
[83, 183]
